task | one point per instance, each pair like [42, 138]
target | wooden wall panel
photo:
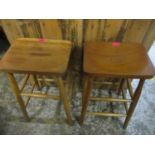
[149, 36]
[11, 29]
[105, 30]
[93, 30]
[79, 30]
[72, 30]
[63, 29]
[112, 29]
[50, 29]
[30, 28]
[136, 30]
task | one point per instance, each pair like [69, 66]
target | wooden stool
[38, 58]
[115, 60]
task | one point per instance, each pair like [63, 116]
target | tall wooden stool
[124, 61]
[38, 59]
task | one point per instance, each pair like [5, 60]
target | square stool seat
[124, 59]
[34, 56]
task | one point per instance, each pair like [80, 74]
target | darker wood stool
[124, 61]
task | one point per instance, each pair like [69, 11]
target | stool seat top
[117, 60]
[38, 56]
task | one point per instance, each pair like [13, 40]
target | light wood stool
[39, 58]
[124, 61]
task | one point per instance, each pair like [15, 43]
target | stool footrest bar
[105, 83]
[130, 88]
[125, 103]
[48, 80]
[24, 82]
[106, 114]
[109, 99]
[40, 95]
[29, 97]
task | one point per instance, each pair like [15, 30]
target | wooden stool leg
[85, 97]
[36, 81]
[134, 102]
[64, 98]
[16, 91]
[121, 86]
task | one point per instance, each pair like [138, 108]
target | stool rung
[40, 95]
[125, 103]
[106, 114]
[109, 99]
[48, 80]
[105, 83]
[29, 97]
[130, 88]
[24, 82]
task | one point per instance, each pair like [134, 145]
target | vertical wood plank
[30, 28]
[50, 28]
[11, 29]
[112, 29]
[72, 30]
[79, 30]
[123, 30]
[136, 30]
[150, 36]
[102, 30]
[94, 30]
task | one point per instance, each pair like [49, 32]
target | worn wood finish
[30, 28]
[50, 29]
[50, 56]
[149, 36]
[79, 30]
[102, 30]
[136, 30]
[122, 60]
[72, 30]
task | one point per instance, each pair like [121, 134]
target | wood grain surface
[80, 31]
[117, 60]
[36, 56]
